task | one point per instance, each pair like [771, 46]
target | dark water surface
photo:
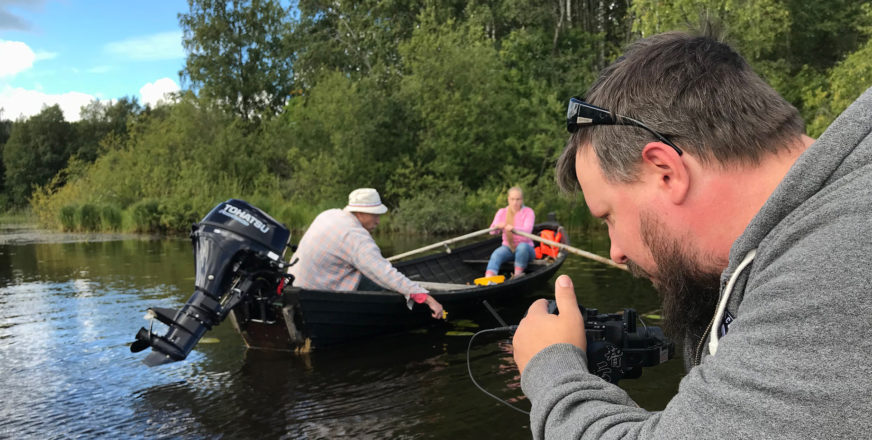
[68, 311]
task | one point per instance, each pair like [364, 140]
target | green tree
[822, 33]
[182, 160]
[5, 129]
[344, 133]
[845, 82]
[456, 87]
[5, 132]
[559, 26]
[355, 38]
[239, 53]
[100, 119]
[792, 43]
[756, 27]
[37, 149]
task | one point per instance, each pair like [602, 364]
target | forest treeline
[441, 105]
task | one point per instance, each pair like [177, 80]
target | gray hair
[695, 90]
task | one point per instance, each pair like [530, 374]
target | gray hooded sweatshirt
[795, 361]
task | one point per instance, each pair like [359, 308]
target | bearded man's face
[688, 282]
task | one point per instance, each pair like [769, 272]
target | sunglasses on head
[581, 114]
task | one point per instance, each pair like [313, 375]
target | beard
[688, 283]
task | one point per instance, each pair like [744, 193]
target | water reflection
[69, 310]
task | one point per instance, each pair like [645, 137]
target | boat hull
[301, 319]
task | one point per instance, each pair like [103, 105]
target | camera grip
[616, 348]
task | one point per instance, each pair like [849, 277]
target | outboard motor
[235, 247]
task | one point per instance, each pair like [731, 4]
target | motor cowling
[234, 244]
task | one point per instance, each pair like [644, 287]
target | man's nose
[617, 255]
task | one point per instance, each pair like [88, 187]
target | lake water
[70, 306]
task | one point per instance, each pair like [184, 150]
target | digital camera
[617, 347]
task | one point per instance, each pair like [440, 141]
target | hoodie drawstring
[722, 304]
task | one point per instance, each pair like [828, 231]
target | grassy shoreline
[24, 216]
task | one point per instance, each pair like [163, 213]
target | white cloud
[155, 93]
[17, 102]
[17, 57]
[162, 46]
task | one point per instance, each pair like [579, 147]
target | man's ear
[662, 163]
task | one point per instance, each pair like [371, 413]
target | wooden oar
[571, 249]
[441, 243]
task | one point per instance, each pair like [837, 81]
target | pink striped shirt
[524, 221]
[336, 250]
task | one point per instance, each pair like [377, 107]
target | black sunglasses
[581, 114]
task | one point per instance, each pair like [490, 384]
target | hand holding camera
[539, 328]
[615, 347]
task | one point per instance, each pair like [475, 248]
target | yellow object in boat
[487, 281]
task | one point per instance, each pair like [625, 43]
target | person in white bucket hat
[338, 251]
[365, 200]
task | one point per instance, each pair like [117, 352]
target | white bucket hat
[365, 200]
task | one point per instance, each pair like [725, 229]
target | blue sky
[70, 52]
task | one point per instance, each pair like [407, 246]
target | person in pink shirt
[514, 217]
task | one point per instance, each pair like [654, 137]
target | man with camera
[757, 237]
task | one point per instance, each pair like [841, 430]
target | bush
[88, 217]
[435, 212]
[178, 217]
[298, 215]
[25, 216]
[111, 216]
[67, 217]
[262, 203]
[145, 216]
[295, 217]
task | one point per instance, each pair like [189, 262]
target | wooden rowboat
[301, 319]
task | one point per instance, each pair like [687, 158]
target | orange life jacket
[546, 250]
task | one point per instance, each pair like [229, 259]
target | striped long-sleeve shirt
[336, 250]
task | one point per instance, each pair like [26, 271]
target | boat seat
[532, 263]
[432, 285]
